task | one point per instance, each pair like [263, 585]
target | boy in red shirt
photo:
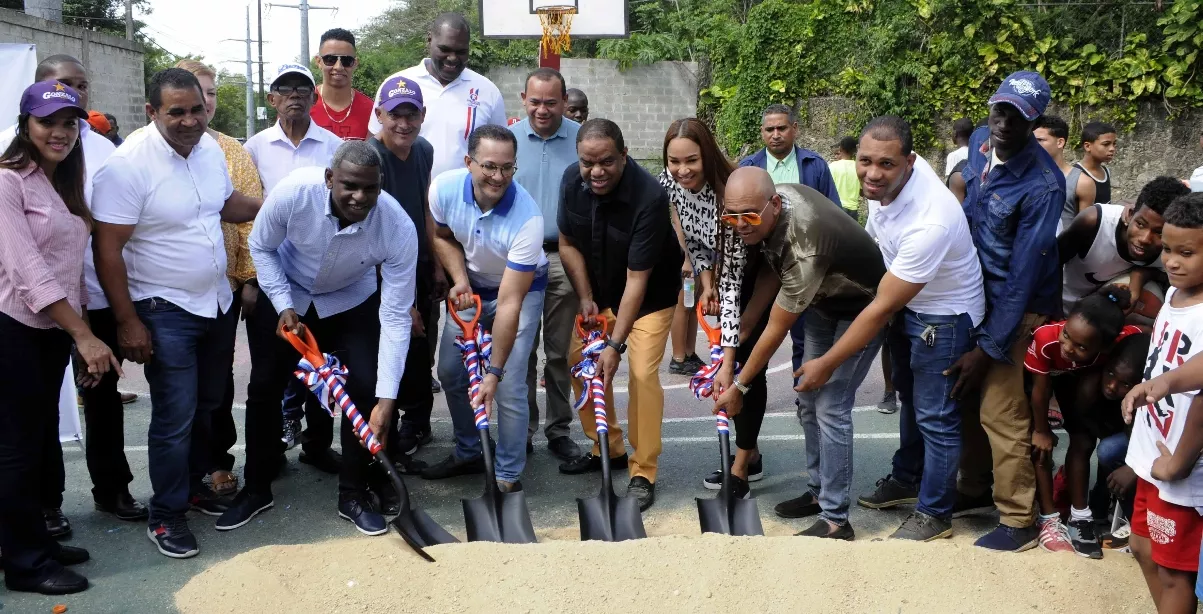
[340, 108]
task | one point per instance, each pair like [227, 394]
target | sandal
[223, 483]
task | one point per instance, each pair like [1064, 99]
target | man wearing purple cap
[406, 159]
[1014, 193]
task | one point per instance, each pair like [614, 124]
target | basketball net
[557, 25]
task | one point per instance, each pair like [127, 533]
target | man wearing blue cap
[1014, 193]
[406, 159]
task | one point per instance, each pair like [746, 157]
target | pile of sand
[665, 573]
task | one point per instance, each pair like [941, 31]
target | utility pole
[129, 20]
[250, 85]
[260, 86]
[304, 7]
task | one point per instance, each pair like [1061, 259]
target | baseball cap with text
[399, 90]
[1025, 90]
[45, 98]
[293, 69]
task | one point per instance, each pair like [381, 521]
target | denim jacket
[1013, 212]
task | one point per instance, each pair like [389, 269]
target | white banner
[19, 60]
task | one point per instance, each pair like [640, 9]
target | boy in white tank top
[1167, 433]
[1108, 240]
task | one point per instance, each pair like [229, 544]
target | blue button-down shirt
[303, 258]
[1013, 211]
[541, 164]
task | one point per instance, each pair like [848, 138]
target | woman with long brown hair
[695, 174]
[44, 228]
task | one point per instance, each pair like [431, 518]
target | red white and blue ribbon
[476, 350]
[724, 426]
[329, 383]
[702, 383]
[588, 370]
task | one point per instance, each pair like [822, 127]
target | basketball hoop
[556, 18]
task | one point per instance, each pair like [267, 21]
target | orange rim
[598, 321]
[306, 345]
[466, 327]
[713, 334]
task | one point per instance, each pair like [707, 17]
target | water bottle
[689, 298]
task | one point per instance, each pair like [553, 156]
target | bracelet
[743, 389]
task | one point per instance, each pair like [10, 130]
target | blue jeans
[826, 416]
[1111, 452]
[929, 450]
[187, 377]
[510, 409]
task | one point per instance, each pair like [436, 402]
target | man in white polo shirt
[458, 99]
[158, 203]
[296, 141]
[932, 297]
[489, 237]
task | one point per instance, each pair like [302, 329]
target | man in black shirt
[619, 249]
[406, 160]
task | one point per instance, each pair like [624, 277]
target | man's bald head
[751, 203]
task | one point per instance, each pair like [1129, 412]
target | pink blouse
[41, 248]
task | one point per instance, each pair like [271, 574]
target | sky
[183, 27]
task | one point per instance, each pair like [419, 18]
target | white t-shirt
[275, 156]
[1102, 261]
[924, 239]
[1177, 337]
[452, 112]
[1196, 180]
[955, 156]
[177, 252]
[97, 149]
[508, 236]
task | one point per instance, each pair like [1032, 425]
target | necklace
[330, 112]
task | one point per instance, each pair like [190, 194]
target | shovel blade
[736, 517]
[499, 517]
[420, 530]
[745, 518]
[712, 516]
[616, 522]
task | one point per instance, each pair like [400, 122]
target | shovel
[607, 517]
[494, 516]
[325, 377]
[724, 513]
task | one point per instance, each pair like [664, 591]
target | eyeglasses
[331, 59]
[752, 219]
[492, 169]
[289, 90]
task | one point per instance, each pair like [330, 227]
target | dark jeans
[104, 419]
[354, 337]
[929, 449]
[187, 376]
[32, 364]
[223, 433]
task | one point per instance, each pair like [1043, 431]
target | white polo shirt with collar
[452, 112]
[275, 156]
[174, 203]
[97, 149]
[924, 239]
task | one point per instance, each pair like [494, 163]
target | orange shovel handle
[468, 328]
[598, 322]
[713, 333]
[306, 345]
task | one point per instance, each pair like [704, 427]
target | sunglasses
[332, 59]
[289, 90]
[752, 219]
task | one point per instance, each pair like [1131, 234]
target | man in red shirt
[340, 108]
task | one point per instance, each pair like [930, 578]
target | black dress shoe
[245, 506]
[365, 520]
[123, 507]
[799, 507]
[821, 528]
[56, 523]
[62, 582]
[327, 460]
[588, 463]
[452, 466]
[564, 448]
[642, 491]
[70, 555]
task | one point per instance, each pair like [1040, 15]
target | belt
[551, 247]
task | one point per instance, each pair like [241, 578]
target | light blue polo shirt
[510, 235]
[541, 164]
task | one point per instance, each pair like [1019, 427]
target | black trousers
[751, 417]
[415, 399]
[32, 365]
[104, 420]
[222, 432]
[353, 336]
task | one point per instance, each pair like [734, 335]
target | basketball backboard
[517, 19]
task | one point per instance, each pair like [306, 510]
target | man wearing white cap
[297, 142]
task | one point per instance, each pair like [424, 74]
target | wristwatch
[498, 371]
[621, 348]
[742, 388]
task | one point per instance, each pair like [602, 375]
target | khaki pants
[996, 436]
[645, 410]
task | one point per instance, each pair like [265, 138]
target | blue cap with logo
[293, 69]
[1025, 90]
[45, 98]
[397, 91]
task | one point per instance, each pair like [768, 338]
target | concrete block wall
[643, 100]
[114, 64]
